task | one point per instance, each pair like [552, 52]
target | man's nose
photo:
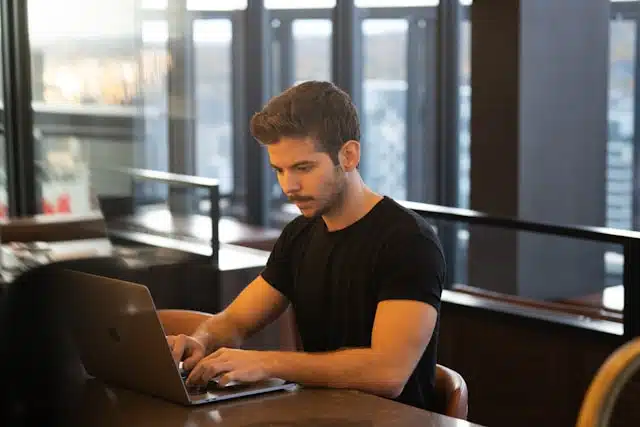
[290, 183]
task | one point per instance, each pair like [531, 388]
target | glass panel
[464, 145]
[392, 3]
[464, 119]
[216, 5]
[312, 49]
[154, 4]
[214, 156]
[620, 118]
[384, 117]
[297, 4]
[99, 85]
[4, 196]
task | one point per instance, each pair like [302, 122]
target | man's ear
[350, 155]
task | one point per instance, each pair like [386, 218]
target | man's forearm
[218, 331]
[359, 369]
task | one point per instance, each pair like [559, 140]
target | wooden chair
[607, 384]
[451, 389]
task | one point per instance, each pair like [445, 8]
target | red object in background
[4, 210]
[64, 203]
[47, 208]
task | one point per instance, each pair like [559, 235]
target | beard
[336, 193]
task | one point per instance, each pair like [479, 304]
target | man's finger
[177, 348]
[215, 369]
[190, 362]
[195, 375]
[228, 377]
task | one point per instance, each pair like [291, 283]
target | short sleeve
[411, 267]
[278, 271]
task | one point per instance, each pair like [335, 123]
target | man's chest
[335, 293]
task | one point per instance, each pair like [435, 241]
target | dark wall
[527, 372]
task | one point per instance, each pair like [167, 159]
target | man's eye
[304, 168]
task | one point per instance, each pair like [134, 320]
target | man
[363, 274]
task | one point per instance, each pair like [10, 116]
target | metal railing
[184, 181]
[629, 240]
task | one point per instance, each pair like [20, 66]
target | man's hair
[314, 109]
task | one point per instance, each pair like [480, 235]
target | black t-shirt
[334, 281]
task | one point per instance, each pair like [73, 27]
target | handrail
[601, 234]
[630, 241]
[181, 180]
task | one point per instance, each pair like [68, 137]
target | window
[296, 4]
[214, 156]
[4, 196]
[312, 49]
[99, 95]
[620, 119]
[384, 114]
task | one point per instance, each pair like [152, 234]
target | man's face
[307, 177]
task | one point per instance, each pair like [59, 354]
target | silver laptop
[120, 341]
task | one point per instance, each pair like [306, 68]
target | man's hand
[232, 365]
[187, 349]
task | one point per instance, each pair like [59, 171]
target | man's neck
[358, 201]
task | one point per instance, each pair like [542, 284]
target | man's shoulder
[402, 223]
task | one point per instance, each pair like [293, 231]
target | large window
[89, 71]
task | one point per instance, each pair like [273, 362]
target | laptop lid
[120, 340]
[118, 335]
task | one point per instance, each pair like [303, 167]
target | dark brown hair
[313, 109]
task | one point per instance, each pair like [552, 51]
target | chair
[606, 386]
[452, 396]
[451, 389]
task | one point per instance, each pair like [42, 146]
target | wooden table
[99, 405]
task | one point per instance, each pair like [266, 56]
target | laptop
[120, 341]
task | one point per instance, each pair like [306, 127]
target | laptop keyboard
[193, 388]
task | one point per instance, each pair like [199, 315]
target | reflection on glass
[212, 39]
[312, 49]
[384, 114]
[93, 70]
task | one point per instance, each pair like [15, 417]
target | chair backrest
[606, 386]
[452, 396]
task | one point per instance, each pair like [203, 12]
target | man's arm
[401, 332]
[255, 307]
